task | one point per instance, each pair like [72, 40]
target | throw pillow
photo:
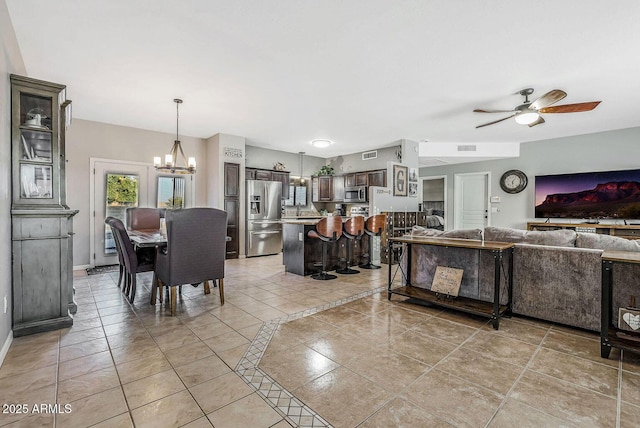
[557, 238]
[606, 242]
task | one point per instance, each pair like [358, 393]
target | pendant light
[171, 164]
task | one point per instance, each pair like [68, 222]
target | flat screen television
[589, 195]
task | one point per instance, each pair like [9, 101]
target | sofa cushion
[460, 233]
[558, 238]
[606, 242]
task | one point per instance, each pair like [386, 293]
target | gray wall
[10, 62]
[353, 162]
[258, 157]
[433, 190]
[604, 151]
[88, 139]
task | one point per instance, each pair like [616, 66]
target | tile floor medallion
[289, 351]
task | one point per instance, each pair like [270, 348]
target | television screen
[596, 195]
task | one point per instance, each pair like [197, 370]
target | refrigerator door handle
[266, 194]
[266, 232]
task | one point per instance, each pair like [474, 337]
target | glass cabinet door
[37, 155]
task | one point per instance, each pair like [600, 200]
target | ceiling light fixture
[526, 117]
[321, 144]
[170, 164]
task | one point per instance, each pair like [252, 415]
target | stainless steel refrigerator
[264, 211]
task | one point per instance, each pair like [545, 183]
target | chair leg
[154, 289]
[367, 256]
[132, 295]
[346, 270]
[323, 276]
[221, 287]
[127, 284]
[207, 288]
[174, 301]
[121, 275]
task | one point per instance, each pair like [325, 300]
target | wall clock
[513, 181]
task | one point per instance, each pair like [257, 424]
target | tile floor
[289, 351]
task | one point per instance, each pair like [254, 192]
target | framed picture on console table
[400, 184]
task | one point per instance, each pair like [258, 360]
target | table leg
[605, 310]
[497, 257]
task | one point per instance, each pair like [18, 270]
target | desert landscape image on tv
[592, 195]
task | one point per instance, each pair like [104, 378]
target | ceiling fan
[528, 113]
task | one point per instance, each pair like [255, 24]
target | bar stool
[327, 230]
[373, 227]
[353, 231]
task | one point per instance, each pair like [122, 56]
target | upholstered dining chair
[143, 218]
[195, 251]
[108, 221]
[133, 265]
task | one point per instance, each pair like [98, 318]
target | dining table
[151, 238]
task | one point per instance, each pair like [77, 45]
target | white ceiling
[362, 73]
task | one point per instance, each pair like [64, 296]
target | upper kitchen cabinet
[268, 175]
[361, 178]
[322, 188]
[377, 178]
[282, 177]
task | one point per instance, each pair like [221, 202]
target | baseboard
[82, 267]
[5, 347]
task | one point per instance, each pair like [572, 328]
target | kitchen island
[302, 255]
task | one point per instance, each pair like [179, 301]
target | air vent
[370, 155]
[466, 147]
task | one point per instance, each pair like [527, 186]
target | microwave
[356, 194]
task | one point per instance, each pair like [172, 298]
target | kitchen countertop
[307, 220]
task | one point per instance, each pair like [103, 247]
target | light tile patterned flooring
[290, 351]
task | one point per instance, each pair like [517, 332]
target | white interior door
[103, 253]
[471, 210]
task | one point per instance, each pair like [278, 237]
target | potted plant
[326, 170]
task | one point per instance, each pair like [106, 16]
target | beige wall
[10, 62]
[87, 139]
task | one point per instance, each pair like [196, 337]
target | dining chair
[195, 251]
[133, 264]
[108, 221]
[143, 218]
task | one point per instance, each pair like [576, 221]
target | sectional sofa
[556, 274]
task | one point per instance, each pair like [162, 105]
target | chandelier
[171, 164]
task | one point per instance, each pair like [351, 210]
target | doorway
[471, 200]
[116, 186]
[434, 197]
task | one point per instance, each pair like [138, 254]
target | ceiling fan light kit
[529, 113]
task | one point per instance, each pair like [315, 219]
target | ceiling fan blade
[537, 122]
[495, 121]
[479, 110]
[547, 99]
[571, 108]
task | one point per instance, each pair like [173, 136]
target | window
[171, 192]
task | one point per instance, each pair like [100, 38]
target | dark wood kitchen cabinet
[232, 207]
[282, 177]
[377, 178]
[361, 178]
[268, 175]
[322, 188]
